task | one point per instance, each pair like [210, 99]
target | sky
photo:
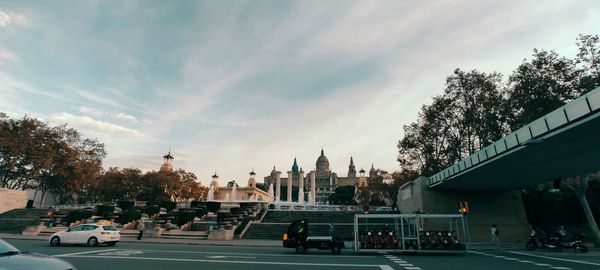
[232, 86]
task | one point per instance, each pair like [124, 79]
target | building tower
[351, 169]
[372, 172]
[252, 180]
[362, 180]
[167, 165]
[214, 184]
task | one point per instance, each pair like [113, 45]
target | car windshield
[6, 248]
[110, 228]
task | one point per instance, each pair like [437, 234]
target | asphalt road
[129, 256]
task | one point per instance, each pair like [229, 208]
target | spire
[295, 166]
[322, 152]
[215, 176]
[252, 173]
[351, 161]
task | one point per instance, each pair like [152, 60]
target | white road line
[386, 267]
[413, 268]
[86, 252]
[228, 261]
[552, 258]
[561, 268]
[542, 264]
[246, 254]
[405, 264]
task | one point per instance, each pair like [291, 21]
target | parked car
[103, 232]
[13, 258]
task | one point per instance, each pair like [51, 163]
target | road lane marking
[249, 254]
[552, 258]
[228, 261]
[86, 252]
[403, 263]
[120, 253]
[223, 257]
[386, 267]
[561, 268]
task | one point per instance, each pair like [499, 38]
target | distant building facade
[326, 181]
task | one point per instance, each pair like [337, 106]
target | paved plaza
[143, 255]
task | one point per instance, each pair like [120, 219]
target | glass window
[89, 227]
[77, 228]
[110, 228]
[6, 247]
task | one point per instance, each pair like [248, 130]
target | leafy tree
[539, 86]
[57, 159]
[589, 57]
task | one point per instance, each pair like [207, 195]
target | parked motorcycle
[555, 242]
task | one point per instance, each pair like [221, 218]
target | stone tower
[167, 165]
[351, 169]
[252, 180]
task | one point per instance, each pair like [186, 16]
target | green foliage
[185, 216]
[213, 207]
[152, 210]
[477, 108]
[343, 196]
[129, 216]
[200, 212]
[126, 205]
[77, 215]
[50, 159]
[104, 210]
[168, 205]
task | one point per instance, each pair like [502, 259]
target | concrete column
[289, 187]
[313, 187]
[301, 187]
[277, 186]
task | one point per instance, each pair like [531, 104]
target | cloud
[4, 19]
[99, 113]
[91, 111]
[126, 117]
[7, 18]
[86, 123]
[6, 55]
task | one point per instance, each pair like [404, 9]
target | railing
[567, 114]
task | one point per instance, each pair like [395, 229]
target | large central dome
[322, 162]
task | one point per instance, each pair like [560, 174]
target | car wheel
[530, 246]
[110, 244]
[92, 242]
[55, 241]
[300, 248]
[336, 249]
[582, 248]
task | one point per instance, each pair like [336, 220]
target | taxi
[93, 234]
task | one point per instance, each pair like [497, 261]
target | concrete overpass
[563, 143]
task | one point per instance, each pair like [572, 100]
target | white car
[89, 234]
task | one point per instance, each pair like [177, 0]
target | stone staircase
[172, 234]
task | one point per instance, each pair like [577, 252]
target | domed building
[325, 181]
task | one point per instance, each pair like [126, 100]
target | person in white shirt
[495, 233]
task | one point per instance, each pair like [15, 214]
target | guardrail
[567, 114]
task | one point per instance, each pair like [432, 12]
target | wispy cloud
[86, 123]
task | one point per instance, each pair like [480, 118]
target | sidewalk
[127, 239]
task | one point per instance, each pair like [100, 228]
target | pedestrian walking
[331, 229]
[140, 227]
[495, 233]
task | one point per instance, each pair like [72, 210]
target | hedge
[130, 215]
[126, 205]
[152, 210]
[77, 215]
